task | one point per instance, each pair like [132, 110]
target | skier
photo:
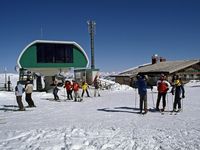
[162, 86]
[76, 92]
[19, 90]
[85, 89]
[96, 83]
[179, 92]
[142, 90]
[68, 87]
[55, 89]
[55, 92]
[28, 91]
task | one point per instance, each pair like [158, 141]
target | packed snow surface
[109, 122]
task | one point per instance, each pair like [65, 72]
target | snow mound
[193, 83]
[119, 87]
[113, 86]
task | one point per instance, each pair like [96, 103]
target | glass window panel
[54, 53]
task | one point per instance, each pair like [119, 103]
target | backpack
[162, 87]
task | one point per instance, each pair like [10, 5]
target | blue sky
[128, 32]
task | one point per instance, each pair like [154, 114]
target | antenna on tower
[91, 30]
[41, 32]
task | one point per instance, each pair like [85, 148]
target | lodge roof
[167, 67]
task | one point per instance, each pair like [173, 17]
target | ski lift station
[43, 58]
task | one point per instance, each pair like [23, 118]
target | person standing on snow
[162, 86]
[76, 92]
[85, 89]
[55, 89]
[142, 90]
[96, 83]
[179, 91]
[68, 87]
[28, 91]
[19, 90]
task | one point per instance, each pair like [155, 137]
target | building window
[191, 77]
[54, 53]
[198, 76]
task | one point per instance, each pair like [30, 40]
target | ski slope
[109, 122]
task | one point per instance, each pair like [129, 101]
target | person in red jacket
[76, 91]
[68, 87]
[162, 86]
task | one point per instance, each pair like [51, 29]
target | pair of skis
[174, 112]
[171, 112]
[163, 112]
[160, 111]
[143, 113]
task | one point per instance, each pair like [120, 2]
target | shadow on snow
[120, 109]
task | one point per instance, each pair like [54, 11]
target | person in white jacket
[19, 90]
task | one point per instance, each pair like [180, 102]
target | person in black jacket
[55, 89]
[97, 85]
[55, 93]
[179, 92]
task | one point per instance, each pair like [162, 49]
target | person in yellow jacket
[85, 89]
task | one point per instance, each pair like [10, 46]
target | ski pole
[152, 98]
[65, 93]
[89, 91]
[135, 97]
[172, 102]
[14, 100]
[167, 103]
[182, 104]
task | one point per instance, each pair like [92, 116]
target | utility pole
[91, 30]
[5, 85]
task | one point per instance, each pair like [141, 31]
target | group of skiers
[163, 87]
[69, 86]
[19, 90]
[75, 87]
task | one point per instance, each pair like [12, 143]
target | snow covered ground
[109, 122]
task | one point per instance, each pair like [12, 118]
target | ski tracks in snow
[103, 139]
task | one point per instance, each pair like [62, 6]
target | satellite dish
[17, 68]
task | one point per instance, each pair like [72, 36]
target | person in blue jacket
[142, 91]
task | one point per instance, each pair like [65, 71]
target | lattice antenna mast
[91, 30]
[41, 32]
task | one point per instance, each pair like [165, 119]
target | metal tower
[91, 29]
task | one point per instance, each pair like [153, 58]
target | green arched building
[51, 57]
[44, 59]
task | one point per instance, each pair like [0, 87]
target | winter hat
[138, 76]
[177, 82]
